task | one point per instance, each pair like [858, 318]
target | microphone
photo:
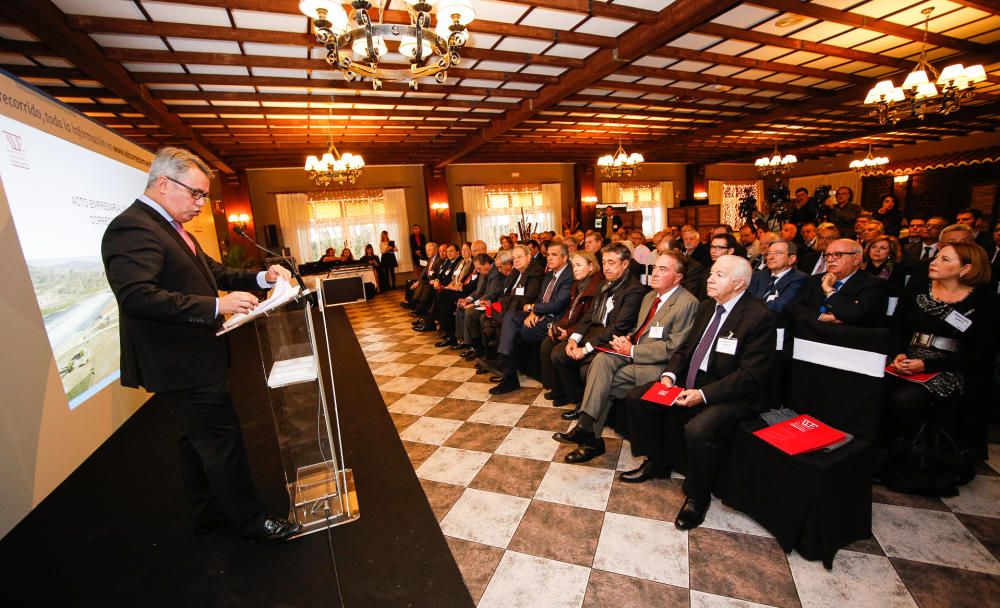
[295, 271]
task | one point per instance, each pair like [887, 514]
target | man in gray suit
[665, 317]
[492, 274]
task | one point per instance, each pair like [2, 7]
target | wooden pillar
[440, 228]
[585, 195]
[694, 180]
[235, 200]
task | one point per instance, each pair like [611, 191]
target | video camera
[818, 202]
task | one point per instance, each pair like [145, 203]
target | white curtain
[652, 198]
[293, 215]
[396, 223]
[610, 194]
[494, 213]
[851, 179]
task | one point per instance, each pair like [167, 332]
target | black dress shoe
[483, 370]
[692, 513]
[425, 327]
[647, 470]
[459, 346]
[575, 435]
[586, 452]
[496, 378]
[276, 530]
[470, 355]
[505, 387]
[571, 415]
[446, 342]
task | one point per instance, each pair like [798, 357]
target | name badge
[430, 273]
[423, 262]
[726, 346]
[656, 332]
[519, 291]
[780, 338]
[958, 320]
[772, 297]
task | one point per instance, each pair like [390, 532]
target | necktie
[548, 289]
[649, 319]
[702, 349]
[184, 235]
[926, 254]
[770, 286]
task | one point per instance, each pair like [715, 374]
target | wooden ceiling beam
[47, 23]
[667, 104]
[746, 83]
[883, 26]
[703, 93]
[671, 52]
[221, 96]
[987, 6]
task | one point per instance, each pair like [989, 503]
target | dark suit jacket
[488, 286]
[701, 255]
[736, 378]
[985, 240]
[559, 299]
[616, 224]
[912, 253]
[788, 287]
[807, 260]
[417, 251]
[532, 283]
[695, 279]
[861, 301]
[627, 296]
[539, 259]
[166, 299]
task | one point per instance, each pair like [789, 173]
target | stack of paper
[292, 371]
[282, 292]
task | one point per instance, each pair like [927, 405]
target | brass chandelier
[620, 164]
[431, 52]
[868, 162]
[920, 95]
[776, 164]
[332, 168]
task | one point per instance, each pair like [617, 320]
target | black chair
[817, 503]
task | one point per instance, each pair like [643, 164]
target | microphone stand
[295, 271]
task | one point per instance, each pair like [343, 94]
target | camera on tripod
[818, 202]
[748, 206]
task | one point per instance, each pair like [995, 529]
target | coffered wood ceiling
[243, 83]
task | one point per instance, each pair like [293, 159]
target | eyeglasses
[196, 194]
[836, 255]
[718, 247]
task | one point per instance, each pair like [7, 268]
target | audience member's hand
[276, 272]
[827, 281]
[559, 333]
[237, 301]
[576, 353]
[667, 381]
[689, 397]
[907, 366]
[827, 317]
[530, 320]
[621, 344]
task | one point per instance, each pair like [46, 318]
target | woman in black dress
[387, 248]
[947, 327]
[372, 260]
[889, 214]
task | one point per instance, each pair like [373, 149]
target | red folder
[661, 394]
[919, 378]
[610, 351]
[800, 435]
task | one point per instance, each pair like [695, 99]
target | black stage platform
[115, 533]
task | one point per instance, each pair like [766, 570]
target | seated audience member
[779, 286]
[613, 314]
[587, 280]
[790, 232]
[766, 238]
[346, 255]
[475, 310]
[748, 238]
[478, 247]
[530, 323]
[947, 326]
[873, 229]
[432, 263]
[373, 260]
[640, 252]
[972, 218]
[844, 293]
[463, 282]
[490, 280]
[926, 248]
[426, 299]
[330, 256]
[955, 233]
[593, 243]
[662, 325]
[720, 245]
[882, 254]
[889, 215]
[805, 208]
[809, 235]
[995, 259]
[537, 256]
[813, 262]
[506, 244]
[694, 248]
[914, 232]
[571, 244]
[722, 365]
[694, 275]
[524, 288]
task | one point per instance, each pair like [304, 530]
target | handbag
[932, 464]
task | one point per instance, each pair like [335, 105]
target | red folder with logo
[661, 394]
[919, 378]
[800, 435]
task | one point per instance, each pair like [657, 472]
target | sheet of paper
[282, 292]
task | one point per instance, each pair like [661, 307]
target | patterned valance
[360, 204]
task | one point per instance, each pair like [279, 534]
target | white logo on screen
[15, 150]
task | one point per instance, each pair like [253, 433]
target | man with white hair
[722, 365]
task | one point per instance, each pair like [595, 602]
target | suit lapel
[176, 237]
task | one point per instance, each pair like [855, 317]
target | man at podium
[167, 290]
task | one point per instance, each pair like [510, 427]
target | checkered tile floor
[529, 530]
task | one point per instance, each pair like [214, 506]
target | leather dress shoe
[575, 435]
[496, 378]
[571, 415]
[647, 470]
[276, 530]
[470, 355]
[557, 399]
[446, 342]
[692, 513]
[507, 386]
[425, 327]
[459, 346]
[586, 452]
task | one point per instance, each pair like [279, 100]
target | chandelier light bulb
[916, 78]
[456, 10]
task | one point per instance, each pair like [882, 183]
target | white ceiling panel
[655, 82]
[276, 50]
[784, 24]
[184, 13]
[500, 66]
[744, 16]
[690, 66]
[912, 16]
[15, 32]
[466, 97]
[723, 70]
[821, 31]
[523, 86]
[125, 41]
[754, 74]
[575, 51]
[652, 61]
[53, 62]
[201, 45]
[544, 17]
[627, 94]
[522, 45]
[277, 22]
[877, 8]
[501, 12]
[279, 72]
[482, 41]
[732, 47]
[696, 42]
[500, 99]
[852, 38]
[798, 57]
[881, 44]
[121, 9]
[826, 63]
[649, 5]
[220, 70]
[544, 70]
[957, 18]
[621, 78]
[230, 88]
[14, 59]
[480, 82]
[602, 26]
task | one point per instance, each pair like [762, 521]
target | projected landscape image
[81, 319]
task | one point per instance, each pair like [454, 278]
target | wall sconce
[439, 208]
[588, 200]
[701, 195]
[901, 179]
[239, 221]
